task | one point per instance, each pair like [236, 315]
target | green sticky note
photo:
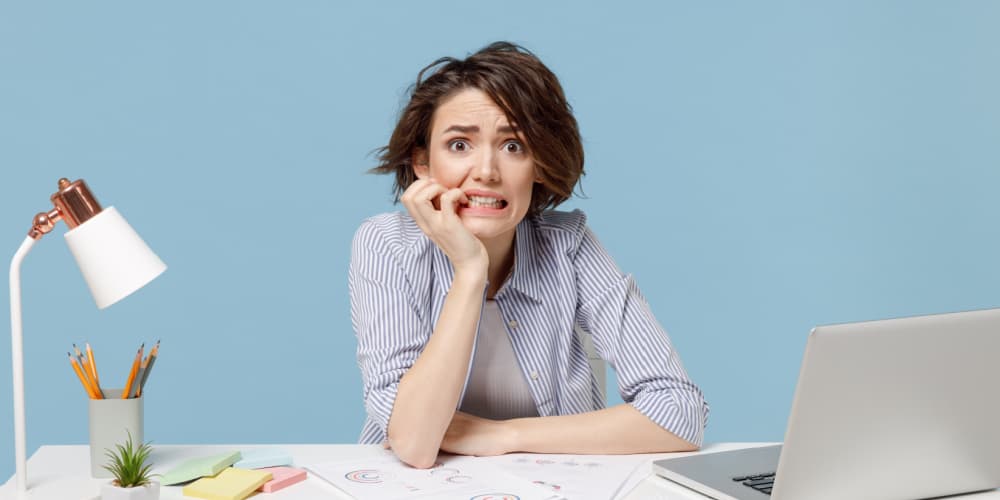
[199, 467]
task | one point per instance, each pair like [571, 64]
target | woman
[470, 300]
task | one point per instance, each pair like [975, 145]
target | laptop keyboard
[759, 482]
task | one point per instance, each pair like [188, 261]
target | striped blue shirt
[562, 276]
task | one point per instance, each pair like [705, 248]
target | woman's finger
[411, 196]
[415, 186]
[450, 201]
[417, 191]
[411, 206]
[413, 193]
[422, 209]
[425, 198]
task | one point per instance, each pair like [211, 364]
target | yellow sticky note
[230, 484]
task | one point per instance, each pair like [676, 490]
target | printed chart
[571, 476]
[459, 478]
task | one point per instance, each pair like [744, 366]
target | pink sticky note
[282, 478]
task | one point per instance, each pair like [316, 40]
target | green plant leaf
[128, 463]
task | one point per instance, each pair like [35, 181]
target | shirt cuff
[379, 405]
[685, 417]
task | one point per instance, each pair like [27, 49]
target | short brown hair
[529, 95]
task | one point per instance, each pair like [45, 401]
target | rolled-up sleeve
[390, 330]
[651, 377]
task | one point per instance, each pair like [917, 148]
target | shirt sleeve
[390, 329]
[627, 335]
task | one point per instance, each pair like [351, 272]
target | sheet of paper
[459, 478]
[573, 477]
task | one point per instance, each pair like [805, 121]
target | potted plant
[133, 480]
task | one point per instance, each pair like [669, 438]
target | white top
[496, 389]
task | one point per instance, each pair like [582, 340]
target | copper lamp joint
[74, 204]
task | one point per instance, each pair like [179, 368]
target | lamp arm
[17, 357]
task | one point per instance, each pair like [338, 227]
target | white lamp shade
[113, 259]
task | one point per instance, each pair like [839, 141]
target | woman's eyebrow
[465, 129]
[474, 129]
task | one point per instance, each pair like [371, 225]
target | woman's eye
[458, 146]
[513, 147]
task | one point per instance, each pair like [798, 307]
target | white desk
[63, 472]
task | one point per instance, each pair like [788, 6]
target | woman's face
[473, 147]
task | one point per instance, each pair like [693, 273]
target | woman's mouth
[476, 201]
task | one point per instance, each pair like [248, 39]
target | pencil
[79, 357]
[79, 374]
[132, 372]
[137, 385]
[93, 372]
[82, 360]
[148, 365]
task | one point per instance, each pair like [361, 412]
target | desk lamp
[113, 259]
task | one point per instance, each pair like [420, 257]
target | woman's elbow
[686, 446]
[670, 442]
[414, 454]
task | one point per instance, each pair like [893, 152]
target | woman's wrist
[512, 435]
[473, 274]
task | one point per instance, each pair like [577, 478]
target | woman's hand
[434, 208]
[472, 435]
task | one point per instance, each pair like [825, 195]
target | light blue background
[760, 167]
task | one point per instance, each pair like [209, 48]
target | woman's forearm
[429, 391]
[617, 430]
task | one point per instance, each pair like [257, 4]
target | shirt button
[534, 375]
[512, 323]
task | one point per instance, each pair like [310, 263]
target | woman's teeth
[485, 201]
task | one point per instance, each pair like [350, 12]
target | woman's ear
[419, 161]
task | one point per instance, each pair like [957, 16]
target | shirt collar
[525, 275]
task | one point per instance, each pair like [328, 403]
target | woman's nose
[485, 167]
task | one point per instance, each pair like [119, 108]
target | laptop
[894, 409]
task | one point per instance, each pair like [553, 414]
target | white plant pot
[149, 492]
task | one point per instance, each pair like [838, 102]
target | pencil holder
[111, 421]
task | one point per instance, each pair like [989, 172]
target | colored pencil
[93, 372]
[148, 366]
[131, 374]
[139, 375]
[84, 366]
[79, 374]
